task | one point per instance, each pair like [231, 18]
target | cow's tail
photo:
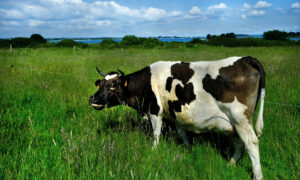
[261, 94]
[259, 122]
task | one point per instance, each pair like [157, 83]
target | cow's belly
[202, 115]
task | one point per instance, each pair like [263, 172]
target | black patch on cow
[169, 84]
[138, 93]
[182, 72]
[216, 86]
[174, 106]
[245, 77]
[185, 94]
[237, 80]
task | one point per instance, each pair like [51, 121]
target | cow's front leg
[156, 122]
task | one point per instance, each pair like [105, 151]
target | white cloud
[217, 11]
[262, 4]
[111, 9]
[9, 23]
[63, 1]
[256, 13]
[246, 6]
[103, 23]
[195, 10]
[34, 23]
[11, 14]
[217, 6]
[37, 11]
[176, 13]
[153, 14]
[295, 5]
[244, 16]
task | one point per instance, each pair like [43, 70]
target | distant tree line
[227, 35]
[37, 40]
[293, 34]
[270, 38]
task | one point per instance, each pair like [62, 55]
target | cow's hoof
[154, 147]
[232, 163]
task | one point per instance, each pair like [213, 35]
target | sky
[144, 18]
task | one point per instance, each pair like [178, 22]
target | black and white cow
[197, 96]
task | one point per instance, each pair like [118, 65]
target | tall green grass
[47, 129]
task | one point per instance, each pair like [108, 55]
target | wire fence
[93, 78]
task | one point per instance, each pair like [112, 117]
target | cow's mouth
[98, 106]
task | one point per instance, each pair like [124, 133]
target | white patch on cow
[108, 77]
[234, 110]
[160, 71]
[172, 93]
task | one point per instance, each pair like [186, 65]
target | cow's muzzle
[94, 102]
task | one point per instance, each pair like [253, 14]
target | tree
[130, 40]
[276, 35]
[196, 41]
[230, 35]
[37, 38]
[109, 43]
[66, 43]
[208, 36]
[20, 42]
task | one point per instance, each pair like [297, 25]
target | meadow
[48, 130]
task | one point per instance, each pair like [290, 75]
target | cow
[196, 96]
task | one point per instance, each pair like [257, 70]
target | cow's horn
[122, 73]
[101, 73]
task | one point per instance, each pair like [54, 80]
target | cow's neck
[137, 90]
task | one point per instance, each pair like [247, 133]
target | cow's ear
[97, 83]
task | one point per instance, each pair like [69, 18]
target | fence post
[74, 49]
[10, 48]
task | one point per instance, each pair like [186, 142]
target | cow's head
[110, 90]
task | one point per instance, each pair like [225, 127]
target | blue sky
[97, 18]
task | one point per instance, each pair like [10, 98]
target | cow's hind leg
[238, 152]
[182, 134]
[250, 140]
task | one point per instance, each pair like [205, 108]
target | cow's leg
[156, 122]
[239, 149]
[182, 134]
[249, 138]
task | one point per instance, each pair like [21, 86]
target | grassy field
[48, 130]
